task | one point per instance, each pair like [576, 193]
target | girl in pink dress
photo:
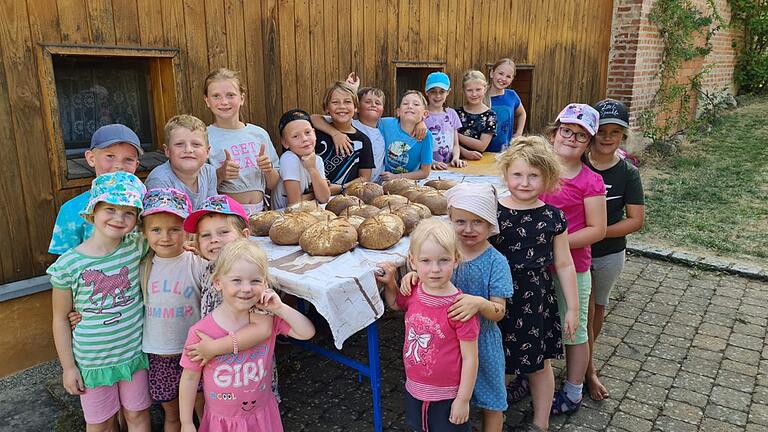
[237, 386]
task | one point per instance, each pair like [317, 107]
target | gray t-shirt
[292, 169]
[164, 177]
[172, 302]
[243, 145]
[377, 144]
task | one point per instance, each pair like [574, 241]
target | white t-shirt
[292, 169]
[172, 302]
[243, 145]
[378, 145]
[164, 177]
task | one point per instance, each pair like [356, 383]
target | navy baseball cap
[115, 133]
[613, 112]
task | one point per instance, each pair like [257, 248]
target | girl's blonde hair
[241, 249]
[538, 153]
[342, 87]
[224, 74]
[413, 92]
[505, 61]
[440, 231]
[476, 75]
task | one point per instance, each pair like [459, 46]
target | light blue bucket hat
[118, 188]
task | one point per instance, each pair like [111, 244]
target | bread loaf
[261, 222]
[366, 191]
[435, 201]
[441, 184]
[338, 203]
[288, 230]
[398, 186]
[364, 210]
[381, 231]
[329, 238]
[413, 192]
[389, 200]
[303, 206]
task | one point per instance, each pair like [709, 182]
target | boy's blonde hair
[374, 90]
[505, 61]
[241, 249]
[438, 230]
[185, 121]
[537, 152]
[224, 74]
[413, 92]
[342, 87]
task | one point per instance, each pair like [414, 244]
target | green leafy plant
[752, 64]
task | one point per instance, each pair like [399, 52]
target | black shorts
[437, 415]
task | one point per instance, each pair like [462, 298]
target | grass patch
[712, 196]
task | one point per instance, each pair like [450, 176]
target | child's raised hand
[263, 162]
[571, 322]
[229, 169]
[309, 161]
[353, 80]
[458, 163]
[409, 280]
[419, 131]
[269, 301]
[203, 350]
[343, 144]
[439, 165]
[465, 307]
[459, 411]
[74, 318]
[73, 382]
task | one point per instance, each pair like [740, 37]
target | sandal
[562, 405]
[517, 389]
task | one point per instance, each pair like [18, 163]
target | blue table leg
[375, 369]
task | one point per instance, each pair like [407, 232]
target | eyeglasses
[567, 133]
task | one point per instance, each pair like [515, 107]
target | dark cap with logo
[613, 112]
[292, 115]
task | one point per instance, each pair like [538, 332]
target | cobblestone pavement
[682, 350]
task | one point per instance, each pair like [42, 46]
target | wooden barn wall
[288, 51]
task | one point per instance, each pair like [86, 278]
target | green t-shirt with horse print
[105, 290]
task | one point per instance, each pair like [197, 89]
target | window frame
[162, 96]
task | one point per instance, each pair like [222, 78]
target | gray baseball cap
[115, 133]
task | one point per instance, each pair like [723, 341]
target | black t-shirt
[622, 187]
[342, 170]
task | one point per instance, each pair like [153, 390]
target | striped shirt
[105, 290]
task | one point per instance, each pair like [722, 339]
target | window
[85, 88]
[412, 76]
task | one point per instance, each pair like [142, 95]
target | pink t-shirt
[442, 125]
[238, 388]
[431, 351]
[570, 199]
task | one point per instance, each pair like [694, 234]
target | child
[341, 104]
[186, 146]
[302, 171]
[170, 280]
[443, 122]
[533, 237]
[367, 121]
[236, 386]
[102, 358]
[484, 277]
[624, 194]
[406, 156]
[478, 122]
[439, 353]
[246, 159]
[510, 113]
[582, 198]
[114, 147]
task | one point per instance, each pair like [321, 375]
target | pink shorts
[101, 403]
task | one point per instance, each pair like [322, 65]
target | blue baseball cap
[115, 133]
[437, 79]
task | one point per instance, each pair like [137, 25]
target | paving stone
[617, 388]
[742, 368]
[639, 409]
[591, 418]
[654, 379]
[714, 318]
[615, 330]
[693, 305]
[730, 398]
[651, 318]
[627, 311]
[668, 299]
[647, 393]
[636, 352]
[742, 355]
[758, 413]
[745, 341]
[668, 424]
[735, 381]
[620, 373]
[635, 337]
[709, 343]
[669, 352]
[674, 341]
[631, 423]
[686, 318]
[712, 425]
[760, 395]
[715, 330]
[700, 366]
[706, 355]
[661, 366]
[727, 415]
[689, 397]
[682, 411]
[680, 330]
[694, 382]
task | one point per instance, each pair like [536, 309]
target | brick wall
[635, 55]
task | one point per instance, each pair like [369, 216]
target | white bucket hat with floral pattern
[118, 188]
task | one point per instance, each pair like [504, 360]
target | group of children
[495, 294]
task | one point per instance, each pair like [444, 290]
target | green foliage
[752, 64]
[687, 33]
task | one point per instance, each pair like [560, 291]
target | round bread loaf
[261, 222]
[338, 203]
[410, 215]
[366, 191]
[354, 220]
[398, 186]
[303, 206]
[287, 231]
[364, 210]
[441, 184]
[329, 238]
[389, 200]
[322, 215]
[435, 201]
[413, 192]
[381, 231]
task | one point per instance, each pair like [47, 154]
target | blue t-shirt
[504, 105]
[404, 153]
[70, 228]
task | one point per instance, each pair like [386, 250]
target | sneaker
[517, 389]
[562, 405]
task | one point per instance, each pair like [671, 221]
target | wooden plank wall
[288, 51]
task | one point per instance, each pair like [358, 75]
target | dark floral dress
[474, 125]
[531, 327]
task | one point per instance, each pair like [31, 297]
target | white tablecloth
[496, 181]
[343, 289]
